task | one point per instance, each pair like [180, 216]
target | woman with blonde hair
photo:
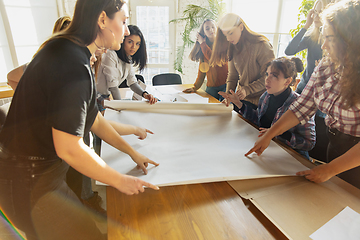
[335, 90]
[247, 53]
[201, 52]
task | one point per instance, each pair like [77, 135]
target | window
[273, 18]
[153, 17]
[24, 26]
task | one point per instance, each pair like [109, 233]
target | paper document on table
[184, 144]
[345, 225]
[167, 91]
[194, 98]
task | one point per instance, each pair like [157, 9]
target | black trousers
[340, 143]
[319, 151]
[37, 200]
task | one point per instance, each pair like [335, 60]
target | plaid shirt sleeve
[303, 136]
[249, 113]
[253, 115]
[304, 106]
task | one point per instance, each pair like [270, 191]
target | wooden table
[196, 211]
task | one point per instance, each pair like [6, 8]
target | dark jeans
[340, 143]
[36, 199]
[319, 151]
[213, 91]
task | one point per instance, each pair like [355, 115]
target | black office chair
[166, 79]
[138, 77]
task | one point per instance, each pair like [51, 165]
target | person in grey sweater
[118, 66]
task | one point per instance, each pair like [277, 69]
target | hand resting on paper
[132, 185]
[151, 98]
[318, 174]
[142, 161]
[189, 90]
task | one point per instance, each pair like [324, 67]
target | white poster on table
[195, 147]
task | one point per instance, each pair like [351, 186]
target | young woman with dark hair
[334, 89]
[280, 74]
[39, 141]
[117, 66]
[133, 49]
[247, 53]
[201, 52]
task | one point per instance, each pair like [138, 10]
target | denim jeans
[37, 200]
[213, 91]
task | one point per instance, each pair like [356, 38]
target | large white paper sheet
[345, 225]
[196, 149]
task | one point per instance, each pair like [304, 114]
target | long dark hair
[288, 66]
[139, 59]
[84, 27]
[196, 54]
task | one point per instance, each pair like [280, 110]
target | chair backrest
[138, 77]
[166, 79]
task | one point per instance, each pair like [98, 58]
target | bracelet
[144, 93]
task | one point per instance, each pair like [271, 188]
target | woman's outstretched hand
[132, 185]
[151, 98]
[318, 174]
[260, 145]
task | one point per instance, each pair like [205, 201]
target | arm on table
[287, 121]
[126, 129]
[106, 132]
[77, 154]
[322, 173]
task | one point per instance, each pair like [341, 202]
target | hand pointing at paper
[142, 161]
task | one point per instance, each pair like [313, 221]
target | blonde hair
[61, 24]
[196, 54]
[223, 50]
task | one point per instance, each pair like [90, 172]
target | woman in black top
[39, 140]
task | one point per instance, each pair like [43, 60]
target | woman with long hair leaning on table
[247, 53]
[39, 141]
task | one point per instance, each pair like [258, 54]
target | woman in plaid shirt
[279, 76]
[335, 90]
